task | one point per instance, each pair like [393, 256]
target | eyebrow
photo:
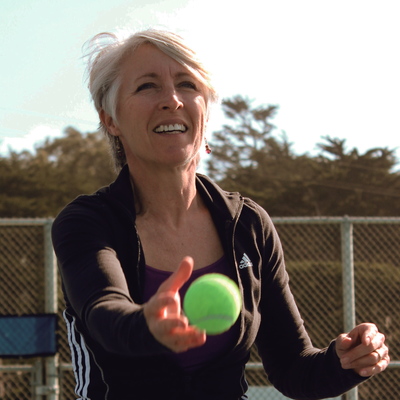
[155, 75]
[148, 75]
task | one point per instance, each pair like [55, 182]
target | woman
[128, 253]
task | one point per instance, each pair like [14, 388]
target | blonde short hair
[106, 52]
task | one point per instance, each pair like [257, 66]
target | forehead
[149, 61]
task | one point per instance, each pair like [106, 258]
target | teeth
[170, 128]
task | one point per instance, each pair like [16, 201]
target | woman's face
[161, 110]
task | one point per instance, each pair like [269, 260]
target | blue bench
[28, 335]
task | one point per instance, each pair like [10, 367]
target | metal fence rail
[343, 271]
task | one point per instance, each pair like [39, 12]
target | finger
[376, 368]
[381, 353]
[369, 333]
[160, 301]
[378, 341]
[178, 335]
[370, 359]
[158, 305]
[346, 341]
[163, 328]
[183, 339]
[343, 343]
[363, 355]
[167, 301]
[366, 335]
[179, 277]
[170, 326]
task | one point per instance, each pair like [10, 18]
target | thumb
[179, 277]
[343, 343]
[171, 286]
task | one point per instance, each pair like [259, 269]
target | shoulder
[255, 225]
[84, 206]
[258, 213]
[226, 204]
[81, 219]
[242, 209]
[108, 202]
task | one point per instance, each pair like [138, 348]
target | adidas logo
[245, 262]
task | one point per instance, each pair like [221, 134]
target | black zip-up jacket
[114, 354]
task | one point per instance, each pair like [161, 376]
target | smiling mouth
[171, 129]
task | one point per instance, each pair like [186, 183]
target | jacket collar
[226, 204]
[219, 202]
[120, 190]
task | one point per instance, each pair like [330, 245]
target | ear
[108, 121]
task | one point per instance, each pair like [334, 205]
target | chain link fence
[343, 271]
[27, 287]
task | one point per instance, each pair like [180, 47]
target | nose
[170, 100]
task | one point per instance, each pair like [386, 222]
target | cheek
[131, 110]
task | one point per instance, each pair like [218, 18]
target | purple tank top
[215, 345]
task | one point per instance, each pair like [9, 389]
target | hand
[163, 313]
[363, 349]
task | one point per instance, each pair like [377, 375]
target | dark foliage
[40, 184]
[248, 158]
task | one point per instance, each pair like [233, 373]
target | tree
[40, 184]
[249, 159]
[245, 142]
[356, 184]
[246, 156]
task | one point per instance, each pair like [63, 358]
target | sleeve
[95, 285]
[293, 365]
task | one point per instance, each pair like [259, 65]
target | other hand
[163, 313]
[363, 349]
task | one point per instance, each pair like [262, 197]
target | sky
[332, 67]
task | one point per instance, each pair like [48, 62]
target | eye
[188, 84]
[144, 86]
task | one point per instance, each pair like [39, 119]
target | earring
[208, 148]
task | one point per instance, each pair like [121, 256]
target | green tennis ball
[212, 303]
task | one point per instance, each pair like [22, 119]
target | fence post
[37, 373]
[51, 363]
[349, 303]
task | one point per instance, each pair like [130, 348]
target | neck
[167, 195]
